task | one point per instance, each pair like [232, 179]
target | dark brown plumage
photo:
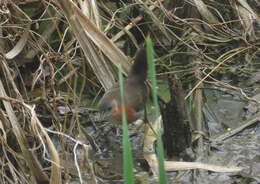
[136, 93]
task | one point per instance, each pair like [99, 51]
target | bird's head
[108, 108]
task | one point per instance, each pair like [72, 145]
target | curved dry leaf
[29, 156]
[85, 30]
[205, 13]
[90, 9]
[19, 46]
[55, 167]
[246, 6]
[247, 19]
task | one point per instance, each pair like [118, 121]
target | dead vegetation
[57, 55]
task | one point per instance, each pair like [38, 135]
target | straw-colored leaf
[178, 166]
[205, 13]
[29, 156]
[19, 45]
[247, 18]
[84, 29]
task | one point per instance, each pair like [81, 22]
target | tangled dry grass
[56, 55]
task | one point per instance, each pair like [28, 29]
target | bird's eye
[109, 108]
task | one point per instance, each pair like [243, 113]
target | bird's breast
[131, 114]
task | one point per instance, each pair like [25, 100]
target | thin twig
[231, 133]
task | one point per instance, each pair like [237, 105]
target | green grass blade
[127, 153]
[152, 77]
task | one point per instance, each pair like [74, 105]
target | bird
[136, 93]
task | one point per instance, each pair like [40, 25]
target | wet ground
[223, 112]
[242, 150]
